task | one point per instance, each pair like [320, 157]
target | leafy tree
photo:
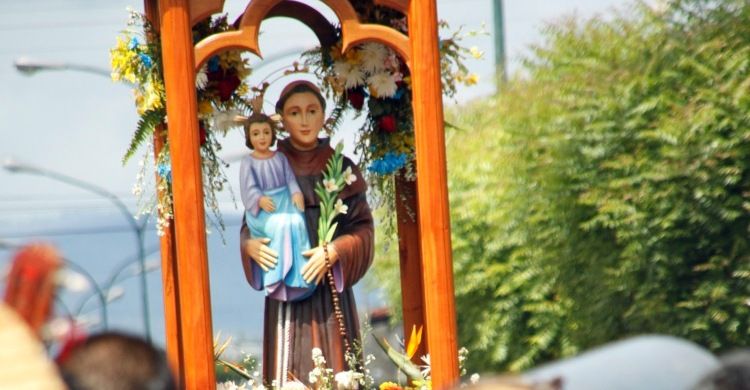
[605, 192]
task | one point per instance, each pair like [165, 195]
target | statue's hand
[315, 269]
[261, 253]
[266, 203]
[299, 201]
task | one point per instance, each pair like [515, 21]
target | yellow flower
[471, 79]
[205, 108]
[389, 386]
[475, 52]
[352, 56]
[414, 340]
[422, 384]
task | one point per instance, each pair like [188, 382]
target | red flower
[356, 98]
[387, 123]
[227, 85]
[202, 136]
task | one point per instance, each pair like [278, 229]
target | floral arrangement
[372, 75]
[136, 59]
[357, 377]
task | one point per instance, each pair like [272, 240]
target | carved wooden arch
[353, 32]
[184, 251]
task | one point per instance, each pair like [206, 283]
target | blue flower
[388, 164]
[133, 43]
[147, 61]
[213, 64]
[165, 171]
[398, 94]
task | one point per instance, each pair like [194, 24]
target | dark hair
[732, 374]
[117, 361]
[299, 86]
[259, 118]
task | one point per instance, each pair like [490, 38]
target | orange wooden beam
[412, 298]
[170, 287]
[187, 188]
[432, 195]
[170, 284]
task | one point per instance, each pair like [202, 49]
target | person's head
[117, 361]
[302, 109]
[260, 132]
[733, 374]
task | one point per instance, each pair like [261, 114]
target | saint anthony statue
[293, 329]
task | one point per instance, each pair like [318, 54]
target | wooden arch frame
[184, 253]
[353, 32]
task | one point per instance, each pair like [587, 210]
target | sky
[80, 124]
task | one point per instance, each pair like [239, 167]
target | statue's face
[261, 136]
[303, 118]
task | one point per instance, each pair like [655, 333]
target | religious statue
[293, 329]
[274, 208]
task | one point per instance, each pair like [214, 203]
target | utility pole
[501, 75]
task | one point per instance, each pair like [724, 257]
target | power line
[87, 231]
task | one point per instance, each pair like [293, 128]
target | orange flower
[390, 386]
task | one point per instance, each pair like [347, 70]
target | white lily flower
[349, 177]
[339, 207]
[330, 185]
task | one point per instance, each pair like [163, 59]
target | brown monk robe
[293, 329]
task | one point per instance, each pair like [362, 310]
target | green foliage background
[605, 192]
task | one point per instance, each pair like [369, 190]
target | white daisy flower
[224, 120]
[339, 207]
[382, 85]
[317, 357]
[350, 75]
[373, 56]
[348, 380]
[293, 385]
[201, 79]
[349, 177]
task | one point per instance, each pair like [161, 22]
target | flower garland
[136, 59]
[372, 75]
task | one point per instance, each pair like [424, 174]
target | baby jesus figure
[274, 208]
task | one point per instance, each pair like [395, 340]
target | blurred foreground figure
[31, 285]
[23, 362]
[115, 361]
[734, 373]
[645, 362]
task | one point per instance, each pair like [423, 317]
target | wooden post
[170, 287]
[412, 299]
[189, 216]
[170, 283]
[434, 221]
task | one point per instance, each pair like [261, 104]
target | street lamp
[138, 229]
[30, 67]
